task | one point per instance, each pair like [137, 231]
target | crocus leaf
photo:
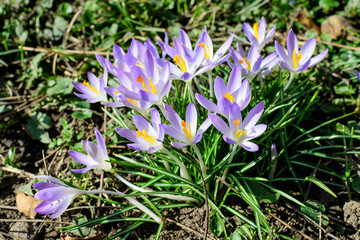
[315, 210]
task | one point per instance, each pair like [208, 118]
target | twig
[22, 173]
[288, 226]
[33, 220]
[8, 207]
[46, 169]
[188, 229]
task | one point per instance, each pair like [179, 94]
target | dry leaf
[335, 26]
[305, 20]
[26, 204]
[95, 237]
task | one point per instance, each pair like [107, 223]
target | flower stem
[164, 195]
[211, 84]
[132, 201]
[290, 80]
[202, 164]
[198, 85]
[191, 91]
[183, 171]
[226, 171]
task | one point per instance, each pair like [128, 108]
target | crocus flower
[297, 61]
[240, 132]
[236, 91]
[357, 74]
[147, 83]
[96, 155]
[94, 90]
[148, 137]
[56, 196]
[253, 64]
[212, 59]
[185, 131]
[256, 34]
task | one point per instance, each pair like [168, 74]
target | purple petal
[173, 132]
[235, 78]
[249, 146]
[100, 141]
[357, 74]
[44, 185]
[281, 52]
[318, 58]
[220, 88]
[138, 146]
[262, 29]
[130, 135]
[206, 103]
[308, 49]
[291, 43]
[62, 207]
[249, 32]
[197, 139]
[219, 124]
[191, 117]
[173, 117]
[52, 194]
[254, 115]
[204, 126]
[179, 144]
[81, 170]
[184, 39]
[222, 50]
[82, 158]
[229, 140]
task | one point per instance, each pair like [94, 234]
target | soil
[186, 223]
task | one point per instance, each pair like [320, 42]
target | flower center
[246, 62]
[186, 128]
[239, 132]
[296, 58]
[229, 97]
[147, 88]
[256, 30]
[206, 49]
[91, 87]
[145, 136]
[138, 63]
[180, 62]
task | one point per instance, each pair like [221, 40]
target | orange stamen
[91, 87]
[229, 97]
[180, 62]
[239, 132]
[206, 49]
[145, 136]
[186, 128]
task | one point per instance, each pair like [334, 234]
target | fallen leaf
[95, 237]
[336, 26]
[26, 204]
[305, 20]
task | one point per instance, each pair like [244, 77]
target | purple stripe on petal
[52, 194]
[43, 185]
[130, 135]
[100, 141]
[229, 140]
[197, 139]
[62, 207]
[254, 115]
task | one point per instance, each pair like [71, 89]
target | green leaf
[320, 185]
[343, 89]
[27, 188]
[62, 86]
[315, 210]
[238, 234]
[216, 226]
[82, 114]
[36, 124]
[356, 184]
[84, 231]
[66, 8]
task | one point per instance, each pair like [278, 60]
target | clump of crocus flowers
[146, 79]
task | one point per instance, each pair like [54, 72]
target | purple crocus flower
[256, 34]
[253, 64]
[240, 132]
[185, 131]
[148, 84]
[94, 90]
[297, 61]
[357, 74]
[212, 59]
[148, 137]
[56, 196]
[96, 155]
[236, 91]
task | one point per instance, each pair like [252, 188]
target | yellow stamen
[145, 136]
[91, 87]
[186, 128]
[180, 62]
[296, 58]
[146, 88]
[116, 92]
[206, 49]
[247, 62]
[141, 65]
[239, 132]
[256, 30]
[132, 101]
[229, 97]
